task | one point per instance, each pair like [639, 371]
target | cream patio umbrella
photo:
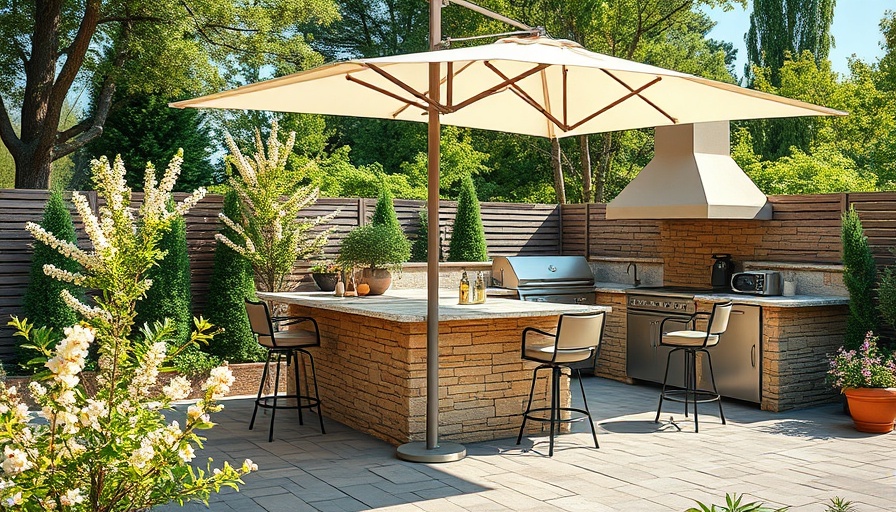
[527, 85]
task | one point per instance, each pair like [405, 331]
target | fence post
[587, 231]
[362, 211]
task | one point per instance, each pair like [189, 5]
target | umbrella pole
[431, 450]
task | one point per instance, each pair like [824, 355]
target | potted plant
[867, 376]
[375, 249]
[325, 275]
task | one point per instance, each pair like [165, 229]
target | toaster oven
[757, 282]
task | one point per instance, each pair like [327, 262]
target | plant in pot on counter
[867, 376]
[376, 250]
[325, 275]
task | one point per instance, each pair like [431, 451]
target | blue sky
[856, 31]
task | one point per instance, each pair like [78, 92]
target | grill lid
[528, 272]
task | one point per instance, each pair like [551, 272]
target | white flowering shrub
[110, 447]
[272, 235]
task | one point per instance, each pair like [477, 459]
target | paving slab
[797, 458]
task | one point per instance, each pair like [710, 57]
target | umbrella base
[417, 452]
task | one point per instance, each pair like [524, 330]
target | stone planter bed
[246, 379]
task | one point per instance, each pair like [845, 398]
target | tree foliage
[230, 285]
[468, 235]
[43, 298]
[145, 130]
[141, 47]
[779, 28]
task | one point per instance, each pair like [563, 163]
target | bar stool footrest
[302, 402]
[684, 396]
[531, 414]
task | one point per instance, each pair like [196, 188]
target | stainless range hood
[691, 176]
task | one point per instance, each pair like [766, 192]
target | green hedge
[43, 304]
[169, 295]
[231, 283]
[859, 276]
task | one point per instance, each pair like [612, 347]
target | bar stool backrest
[718, 321]
[579, 331]
[260, 322]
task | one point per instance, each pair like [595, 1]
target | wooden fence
[510, 229]
[803, 229]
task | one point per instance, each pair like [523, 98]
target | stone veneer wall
[796, 342]
[372, 376]
[687, 246]
[611, 363]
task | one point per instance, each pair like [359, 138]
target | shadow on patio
[798, 458]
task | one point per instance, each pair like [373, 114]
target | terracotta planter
[325, 281]
[378, 279]
[872, 409]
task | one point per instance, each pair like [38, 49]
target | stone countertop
[410, 306]
[795, 301]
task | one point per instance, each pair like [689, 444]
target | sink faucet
[635, 265]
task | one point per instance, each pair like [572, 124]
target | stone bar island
[371, 365]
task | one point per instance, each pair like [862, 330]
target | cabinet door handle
[753, 356]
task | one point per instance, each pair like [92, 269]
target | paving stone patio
[800, 459]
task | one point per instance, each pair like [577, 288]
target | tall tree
[50, 43]
[782, 27]
[147, 130]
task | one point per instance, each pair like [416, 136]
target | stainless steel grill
[561, 279]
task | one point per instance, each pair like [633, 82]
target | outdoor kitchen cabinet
[736, 359]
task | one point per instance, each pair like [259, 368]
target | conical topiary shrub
[232, 282]
[42, 302]
[419, 246]
[859, 276]
[468, 237]
[384, 213]
[169, 295]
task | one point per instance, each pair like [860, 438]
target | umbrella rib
[652, 104]
[438, 106]
[392, 95]
[528, 99]
[617, 102]
[448, 79]
[492, 90]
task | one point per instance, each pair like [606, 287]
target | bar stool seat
[284, 345]
[692, 342]
[577, 339]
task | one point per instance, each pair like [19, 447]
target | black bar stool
[280, 345]
[577, 339]
[690, 343]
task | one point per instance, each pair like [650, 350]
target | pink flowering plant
[110, 447]
[867, 367]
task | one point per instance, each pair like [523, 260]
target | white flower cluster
[218, 383]
[67, 249]
[141, 456]
[147, 370]
[90, 414]
[71, 498]
[69, 355]
[53, 271]
[177, 389]
[14, 461]
[84, 310]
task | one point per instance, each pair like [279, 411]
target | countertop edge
[447, 311]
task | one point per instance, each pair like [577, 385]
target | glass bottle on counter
[464, 289]
[479, 289]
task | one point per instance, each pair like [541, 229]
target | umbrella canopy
[527, 85]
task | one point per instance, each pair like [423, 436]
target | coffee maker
[722, 269]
